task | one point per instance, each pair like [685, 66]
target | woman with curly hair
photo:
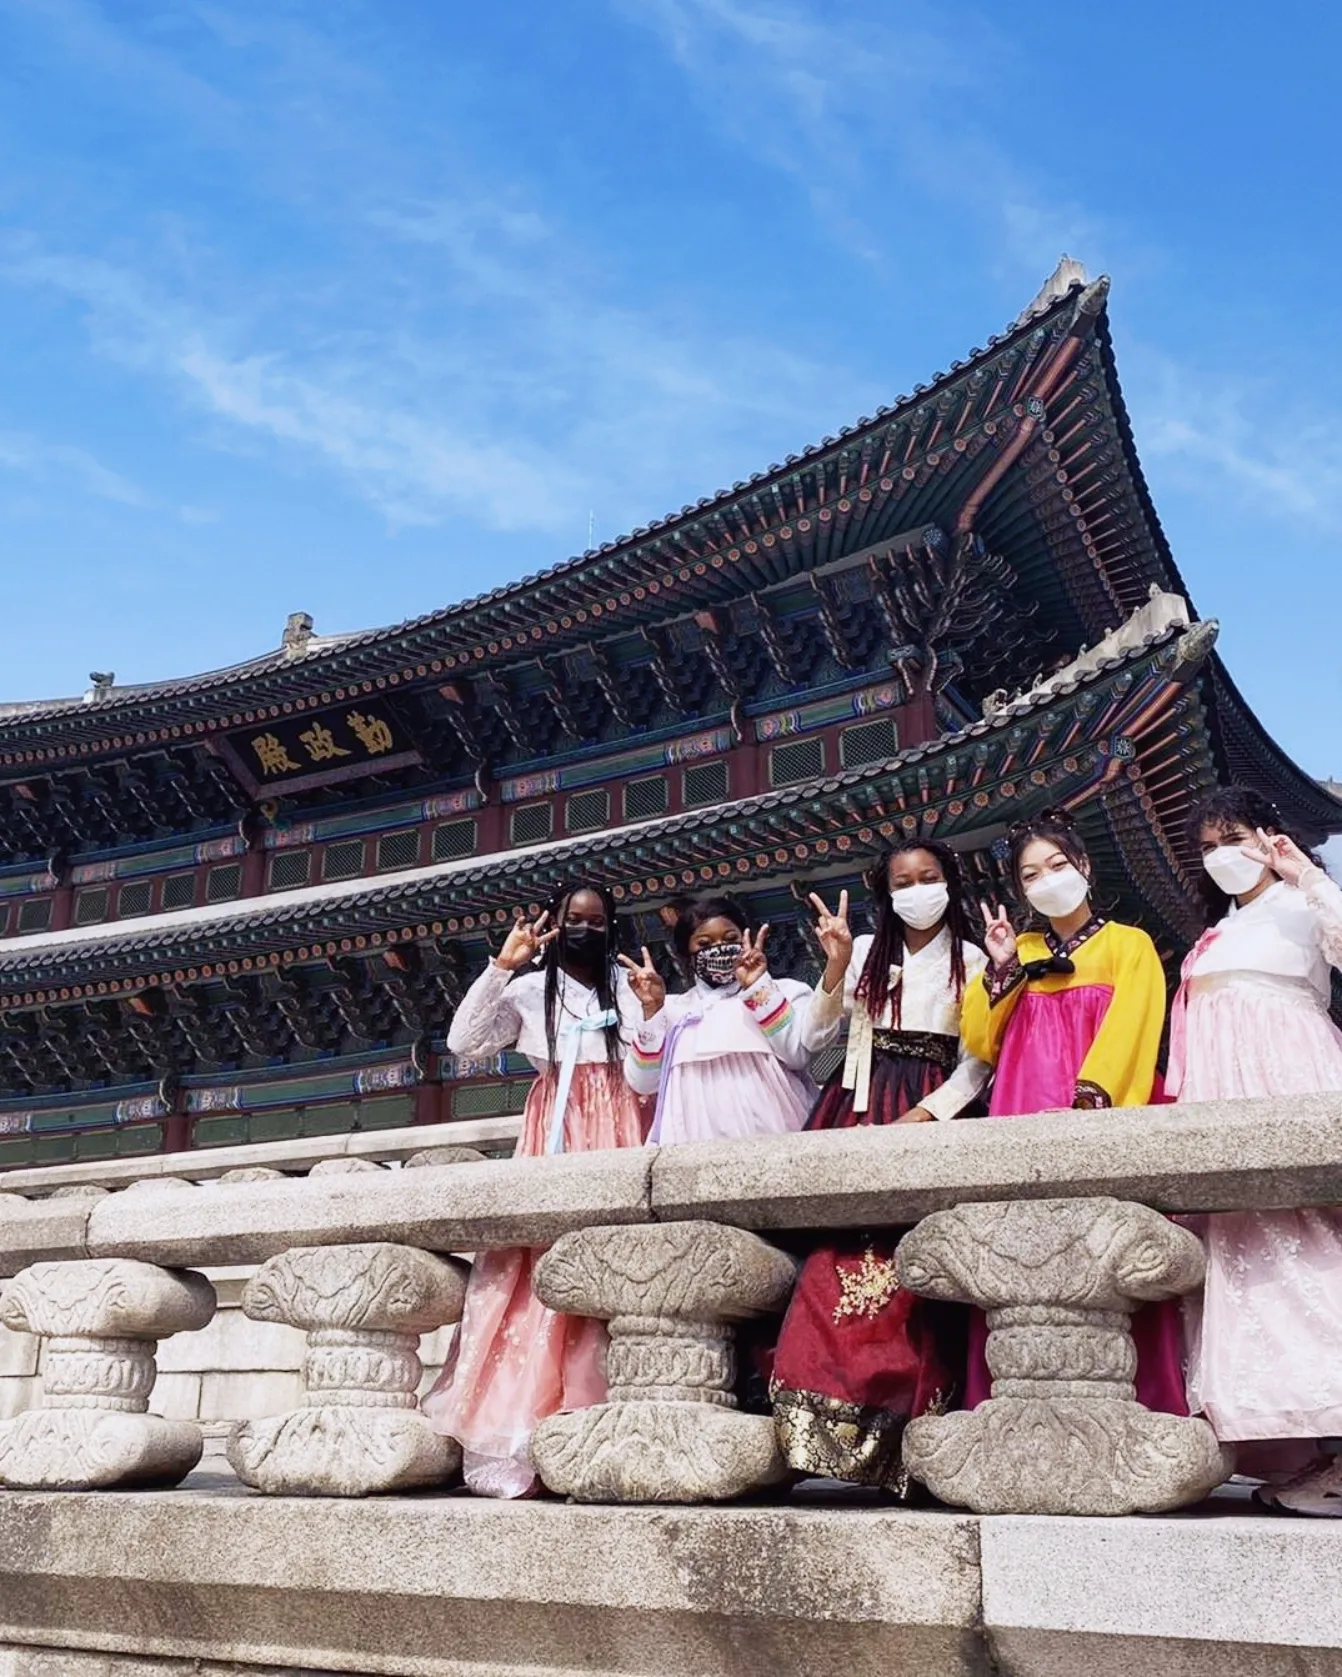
[858, 1356]
[1251, 1018]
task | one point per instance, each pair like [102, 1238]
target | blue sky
[360, 309]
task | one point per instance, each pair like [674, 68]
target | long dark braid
[887, 946]
[606, 974]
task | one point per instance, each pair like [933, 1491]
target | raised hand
[1283, 855]
[753, 963]
[832, 931]
[999, 937]
[646, 983]
[524, 942]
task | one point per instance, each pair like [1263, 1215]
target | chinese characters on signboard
[342, 743]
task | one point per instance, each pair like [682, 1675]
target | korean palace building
[241, 906]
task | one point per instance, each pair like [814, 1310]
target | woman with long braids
[858, 1356]
[1070, 1016]
[515, 1362]
[1251, 1018]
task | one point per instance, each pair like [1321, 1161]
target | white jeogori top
[927, 1003]
[1290, 932]
[507, 1010]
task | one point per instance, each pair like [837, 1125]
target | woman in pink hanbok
[729, 1057]
[1251, 1018]
[516, 1362]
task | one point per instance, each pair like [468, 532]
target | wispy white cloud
[1250, 440]
[66, 467]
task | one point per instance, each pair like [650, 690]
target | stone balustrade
[1049, 1223]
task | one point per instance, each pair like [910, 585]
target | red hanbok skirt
[858, 1357]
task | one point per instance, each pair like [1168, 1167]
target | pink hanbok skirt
[515, 1361]
[1266, 1336]
[732, 1097]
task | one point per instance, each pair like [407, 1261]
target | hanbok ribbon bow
[571, 1035]
[857, 1061]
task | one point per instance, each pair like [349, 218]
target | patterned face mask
[717, 964]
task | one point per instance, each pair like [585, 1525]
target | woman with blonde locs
[555, 993]
[858, 1356]
[1070, 1016]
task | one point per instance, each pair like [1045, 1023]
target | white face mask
[1232, 870]
[1058, 893]
[921, 906]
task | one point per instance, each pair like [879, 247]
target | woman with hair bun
[1070, 1016]
[729, 1057]
[554, 993]
[858, 1356]
[1251, 1018]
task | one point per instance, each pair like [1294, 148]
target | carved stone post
[670, 1430]
[360, 1430]
[1063, 1432]
[102, 1319]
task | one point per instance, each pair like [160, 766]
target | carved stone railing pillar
[1063, 1432]
[670, 1430]
[360, 1430]
[102, 1319]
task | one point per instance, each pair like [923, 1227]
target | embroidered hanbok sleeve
[970, 1074]
[647, 1046]
[780, 1007]
[989, 1002]
[487, 1020]
[1324, 896]
[1120, 1068]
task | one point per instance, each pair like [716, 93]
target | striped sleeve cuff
[769, 1006]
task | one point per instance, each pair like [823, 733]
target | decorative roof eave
[664, 570]
[1033, 751]
[1249, 754]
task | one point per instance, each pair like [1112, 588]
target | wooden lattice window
[705, 783]
[868, 742]
[398, 850]
[343, 860]
[454, 841]
[796, 760]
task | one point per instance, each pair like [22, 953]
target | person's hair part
[1053, 826]
[1228, 807]
[888, 943]
[607, 968]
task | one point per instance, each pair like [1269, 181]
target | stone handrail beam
[1221, 1156]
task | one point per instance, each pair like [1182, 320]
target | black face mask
[582, 945]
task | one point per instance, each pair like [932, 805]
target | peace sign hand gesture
[1280, 853]
[753, 963]
[999, 939]
[524, 942]
[646, 983]
[832, 931]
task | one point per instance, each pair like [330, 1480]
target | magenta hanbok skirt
[1046, 1044]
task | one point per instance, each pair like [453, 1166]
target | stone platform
[212, 1581]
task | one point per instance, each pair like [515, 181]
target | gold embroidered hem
[831, 1439]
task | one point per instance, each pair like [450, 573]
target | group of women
[949, 1016]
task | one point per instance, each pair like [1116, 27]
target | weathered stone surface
[1062, 1432]
[249, 1396]
[657, 1451]
[1217, 1156]
[1216, 1596]
[528, 1202]
[690, 1269]
[176, 1397]
[251, 1173]
[114, 1298]
[233, 1343]
[1099, 1254]
[83, 1449]
[65, 1662]
[372, 1285]
[80, 1191]
[670, 1432]
[159, 1185]
[360, 1431]
[464, 1587]
[444, 1156]
[18, 1352]
[35, 1231]
[344, 1167]
[100, 1320]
